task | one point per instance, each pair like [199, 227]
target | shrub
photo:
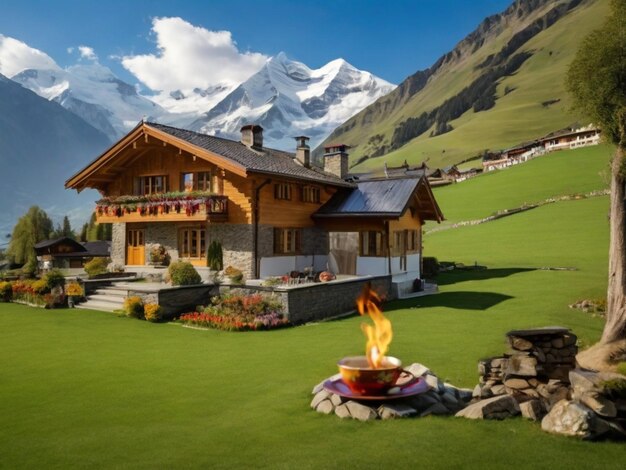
[6, 291]
[74, 289]
[430, 267]
[96, 266]
[41, 286]
[183, 273]
[152, 312]
[214, 256]
[133, 306]
[235, 275]
[54, 278]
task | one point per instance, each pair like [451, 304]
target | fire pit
[375, 385]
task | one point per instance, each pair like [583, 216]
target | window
[287, 241]
[310, 194]
[199, 181]
[192, 243]
[282, 191]
[372, 244]
[413, 241]
[150, 185]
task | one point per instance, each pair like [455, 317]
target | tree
[596, 80]
[30, 229]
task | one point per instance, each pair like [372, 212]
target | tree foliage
[596, 77]
[30, 229]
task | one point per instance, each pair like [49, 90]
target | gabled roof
[388, 197]
[230, 154]
[46, 246]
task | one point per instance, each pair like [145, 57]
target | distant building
[66, 253]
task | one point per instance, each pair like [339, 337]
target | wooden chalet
[67, 253]
[272, 211]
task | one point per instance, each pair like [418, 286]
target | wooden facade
[148, 183]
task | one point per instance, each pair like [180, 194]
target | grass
[556, 174]
[90, 389]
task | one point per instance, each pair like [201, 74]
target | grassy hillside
[89, 389]
[530, 102]
[556, 174]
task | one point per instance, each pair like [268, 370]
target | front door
[135, 247]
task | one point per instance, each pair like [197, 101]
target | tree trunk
[615, 327]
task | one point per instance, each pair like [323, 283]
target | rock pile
[538, 379]
[535, 370]
[441, 399]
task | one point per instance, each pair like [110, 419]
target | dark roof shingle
[268, 161]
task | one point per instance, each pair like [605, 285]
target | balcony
[167, 207]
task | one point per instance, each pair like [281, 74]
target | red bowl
[362, 379]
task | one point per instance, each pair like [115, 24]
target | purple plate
[339, 387]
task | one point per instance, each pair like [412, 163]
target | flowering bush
[152, 312]
[96, 266]
[74, 289]
[159, 255]
[36, 292]
[133, 306]
[235, 275]
[6, 291]
[239, 312]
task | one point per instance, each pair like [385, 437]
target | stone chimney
[336, 160]
[303, 152]
[252, 136]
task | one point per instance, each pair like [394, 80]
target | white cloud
[189, 56]
[88, 53]
[70, 50]
[16, 56]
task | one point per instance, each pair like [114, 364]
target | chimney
[336, 160]
[303, 152]
[252, 136]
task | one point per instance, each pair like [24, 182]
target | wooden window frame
[282, 191]
[140, 184]
[207, 181]
[372, 239]
[200, 233]
[287, 241]
[309, 193]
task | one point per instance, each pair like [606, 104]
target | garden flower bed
[237, 311]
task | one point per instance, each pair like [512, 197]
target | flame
[380, 334]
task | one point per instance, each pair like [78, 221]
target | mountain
[501, 85]
[94, 93]
[289, 99]
[41, 145]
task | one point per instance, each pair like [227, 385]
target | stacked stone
[441, 399]
[534, 373]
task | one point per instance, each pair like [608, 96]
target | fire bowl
[362, 379]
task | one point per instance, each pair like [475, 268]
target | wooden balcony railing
[194, 206]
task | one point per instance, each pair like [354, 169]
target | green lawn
[89, 389]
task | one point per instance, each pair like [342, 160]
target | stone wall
[237, 245]
[177, 300]
[118, 244]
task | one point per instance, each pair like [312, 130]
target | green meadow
[90, 389]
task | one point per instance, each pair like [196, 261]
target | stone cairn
[538, 379]
[441, 399]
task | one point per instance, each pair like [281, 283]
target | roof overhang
[133, 145]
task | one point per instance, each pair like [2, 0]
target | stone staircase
[106, 299]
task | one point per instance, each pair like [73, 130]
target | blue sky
[391, 39]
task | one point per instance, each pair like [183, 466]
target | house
[67, 253]
[570, 138]
[272, 211]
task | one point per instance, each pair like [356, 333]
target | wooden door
[135, 247]
[401, 241]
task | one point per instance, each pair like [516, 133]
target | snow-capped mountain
[94, 93]
[289, 99]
